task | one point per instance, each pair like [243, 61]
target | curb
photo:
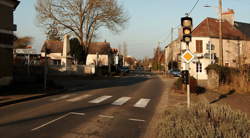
[30, 98]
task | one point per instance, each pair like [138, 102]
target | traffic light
[187, 24]
[185, 76]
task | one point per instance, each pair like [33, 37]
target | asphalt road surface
[117, 108]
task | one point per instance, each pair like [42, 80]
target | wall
[56, 56]
[102, 60]
[6, 63]
[213, 80]
[172, 48]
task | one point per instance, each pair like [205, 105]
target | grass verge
[204, 120]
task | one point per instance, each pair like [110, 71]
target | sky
[150, 22]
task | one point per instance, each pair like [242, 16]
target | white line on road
[78, 98]
[106, 116]
[76, 113]
[142, 103]
[121, 101]
[137, 120]
[50, 122]
[62, 97]
[100, 99]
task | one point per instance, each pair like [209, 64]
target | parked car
[139, 69]
[175, 73]
[124, 69]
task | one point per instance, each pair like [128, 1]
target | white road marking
[78, 98]
[106, 116]
[100, 99]
[62, 97]
[76, 113]
[137, 120]
[50, 122]
[142, 103]
[121, 101]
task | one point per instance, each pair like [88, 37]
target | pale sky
[150, 21]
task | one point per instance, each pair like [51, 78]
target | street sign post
[187, 56]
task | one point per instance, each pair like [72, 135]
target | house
[7, 7]
[26, 56]
[205, 44]
[99, 54]
[172, 53]
[55, 51]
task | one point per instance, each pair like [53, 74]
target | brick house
[7, 7]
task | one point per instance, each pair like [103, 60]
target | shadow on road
[69, 84]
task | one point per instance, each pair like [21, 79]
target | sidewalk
[13, 97]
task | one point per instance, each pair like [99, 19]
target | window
[208, 46]
[199, 48]
[198, 67]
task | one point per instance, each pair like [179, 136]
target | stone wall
[213, 79]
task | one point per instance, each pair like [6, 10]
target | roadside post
[187, 56]
[46, 51]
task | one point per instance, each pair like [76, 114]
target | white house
[56, 51]
[205, 44]
[99, 54]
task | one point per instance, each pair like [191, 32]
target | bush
[193, 84]
[203, 120]
[178, 84]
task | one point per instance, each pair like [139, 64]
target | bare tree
[53, 33]
[120, 48]
[81, 17]
[22, 42]
[158, 57]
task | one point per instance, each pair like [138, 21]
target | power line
[177, 26]
[193, 7]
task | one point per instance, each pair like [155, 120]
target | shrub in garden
[203, 120]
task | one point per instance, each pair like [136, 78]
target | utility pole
[220, 34]
[239, 59]
[172, 48]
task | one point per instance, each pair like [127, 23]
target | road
[118, 108]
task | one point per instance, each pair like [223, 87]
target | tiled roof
[243, 27]
[53, 46]
[95, 47]
[99, 47]
[210, 28]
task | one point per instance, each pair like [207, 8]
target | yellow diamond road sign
[187, 56]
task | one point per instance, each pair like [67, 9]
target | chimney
[228, 16]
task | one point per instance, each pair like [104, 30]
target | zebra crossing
[140, 103]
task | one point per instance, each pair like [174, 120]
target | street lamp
[220, 32]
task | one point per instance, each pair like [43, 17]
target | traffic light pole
[186, 23]
[188, 82]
